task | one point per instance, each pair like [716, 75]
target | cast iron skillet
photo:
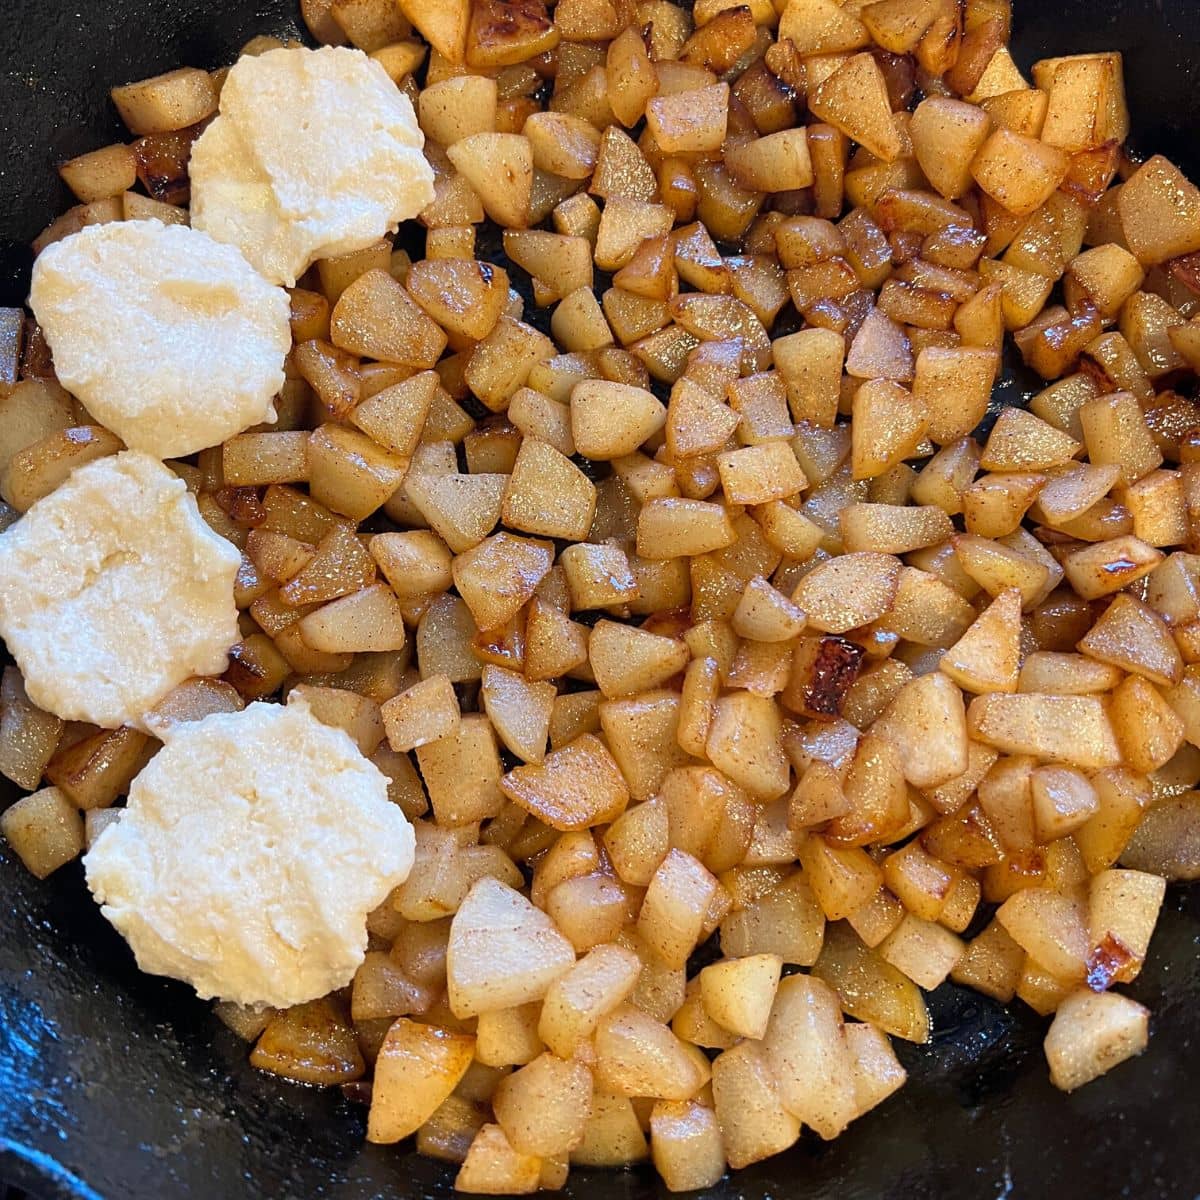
[119, 1086]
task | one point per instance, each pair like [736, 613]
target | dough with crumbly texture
[113, 590]
[314, 153]
[253, 846]
[171, 339]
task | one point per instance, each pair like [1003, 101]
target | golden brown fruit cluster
[799, 660]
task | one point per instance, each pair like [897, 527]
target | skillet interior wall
[118, 1085]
